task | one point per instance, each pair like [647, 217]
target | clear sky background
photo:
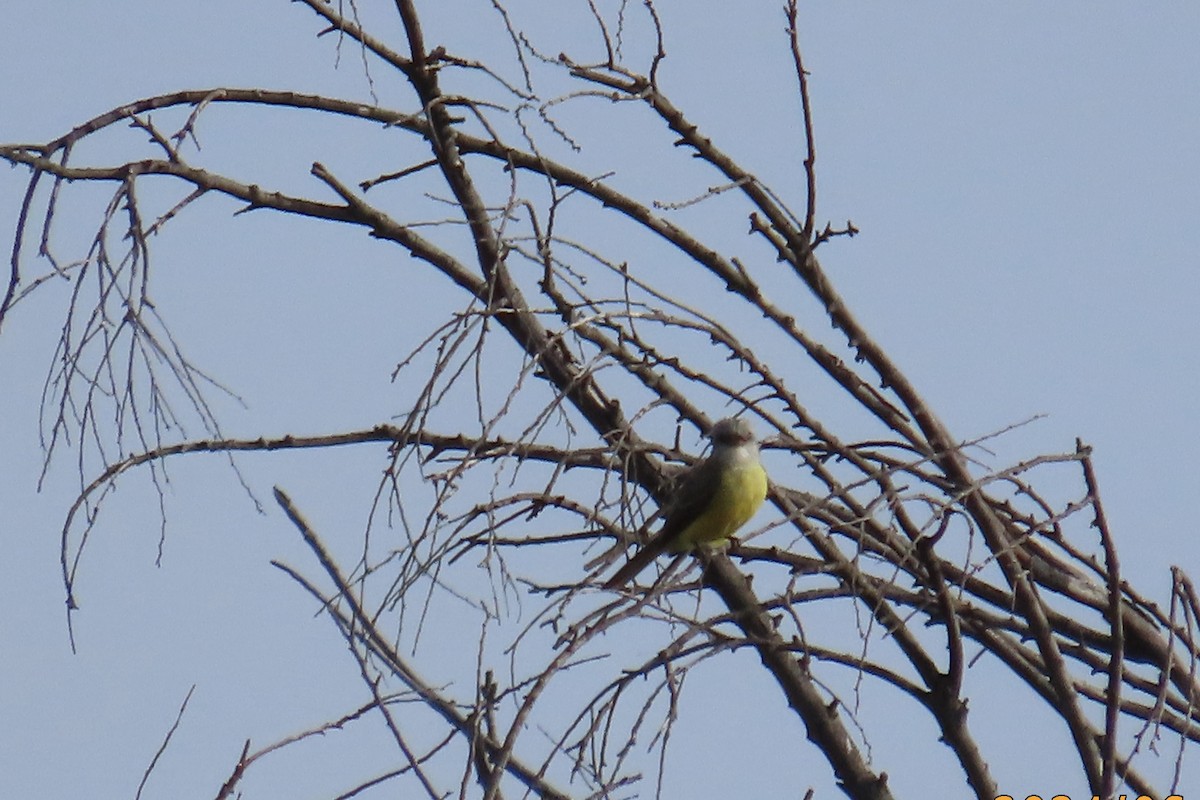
[1026, 178]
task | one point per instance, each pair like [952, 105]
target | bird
[713, 500]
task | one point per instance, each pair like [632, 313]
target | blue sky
[1025, 179]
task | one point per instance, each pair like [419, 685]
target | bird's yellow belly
[738, 495]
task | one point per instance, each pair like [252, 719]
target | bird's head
[731, 432]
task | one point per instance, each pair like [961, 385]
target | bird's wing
[693, 493]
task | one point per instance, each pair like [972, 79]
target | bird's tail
[641, 559]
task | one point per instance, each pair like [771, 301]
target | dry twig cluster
[940, 560]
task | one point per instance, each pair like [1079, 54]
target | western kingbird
[714, 499]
